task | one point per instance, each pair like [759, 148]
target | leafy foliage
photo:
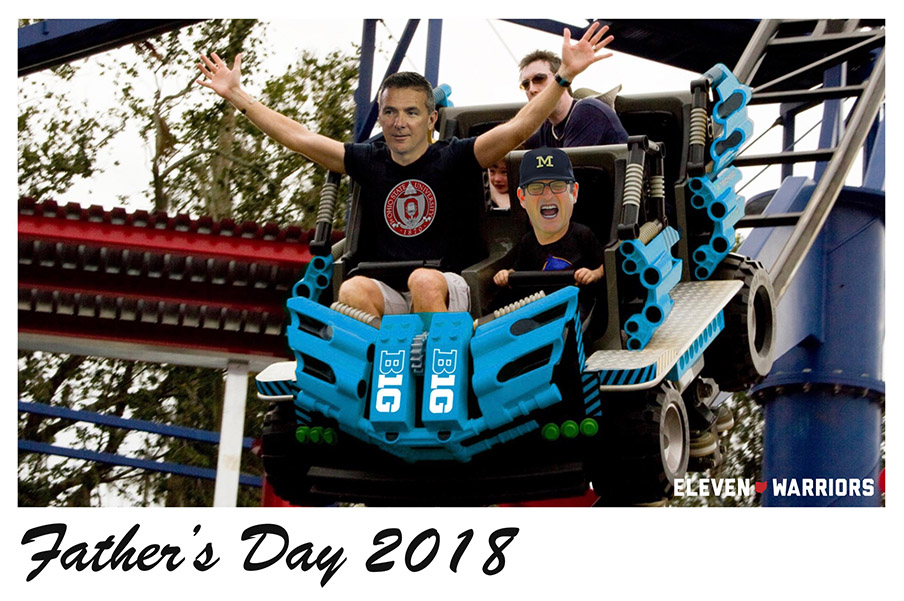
[58, 142]
[202, 159]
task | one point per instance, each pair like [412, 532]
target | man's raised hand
[219, 77]
[583, 53]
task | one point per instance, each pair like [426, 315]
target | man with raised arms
[408, 183]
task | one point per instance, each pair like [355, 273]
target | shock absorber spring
[320, 244]
[657, 186]
[633, 184]
[328, 196]
[518, 304]
[649, 230]
[362, 316]
[508, 308]
[699, 122]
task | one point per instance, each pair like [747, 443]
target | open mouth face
[549, 212]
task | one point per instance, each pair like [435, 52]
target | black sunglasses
[555, 186]
[536, 79]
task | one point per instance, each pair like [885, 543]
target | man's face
[535, 77]
[405, 122]
[549, 212]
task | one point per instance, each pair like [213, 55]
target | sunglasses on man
[536, 80]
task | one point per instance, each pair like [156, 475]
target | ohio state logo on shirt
[410, 208]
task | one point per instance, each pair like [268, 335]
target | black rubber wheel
[646, 446]
[742, 355]
[283, 458]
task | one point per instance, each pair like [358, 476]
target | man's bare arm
[495, 143]
[226, 83]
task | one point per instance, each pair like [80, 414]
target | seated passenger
[409, 184]
[585, 122]
[497, 175]
[547, 190]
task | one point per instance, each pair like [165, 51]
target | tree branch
[252, 166]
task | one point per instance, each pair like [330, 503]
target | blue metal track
[145, 464]
[127, 424]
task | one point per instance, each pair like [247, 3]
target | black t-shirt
[591, 122]
[578, 248]
[419, 211]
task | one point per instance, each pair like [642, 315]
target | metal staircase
[823, 398]
[800, 64]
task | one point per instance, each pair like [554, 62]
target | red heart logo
[760, 486]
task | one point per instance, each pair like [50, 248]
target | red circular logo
[410, 208]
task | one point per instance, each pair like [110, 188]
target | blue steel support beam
[365, 76]
[831, 128]
[434, 44]
[54, 42]
[126, 424]
[394, 63]
[874, 176]
[554, 27]
[144, 464]
[870, 145]
[823, 399]
[691, 44]
[788, 112]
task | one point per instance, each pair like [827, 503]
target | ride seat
[599, 171]
[469, 211]
[666, 119]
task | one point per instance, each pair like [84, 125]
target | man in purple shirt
[585, 122]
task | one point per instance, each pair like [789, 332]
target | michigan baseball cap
[545, 163]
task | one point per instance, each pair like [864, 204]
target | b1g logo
[442, 397]
[389, 397]
[410, 208]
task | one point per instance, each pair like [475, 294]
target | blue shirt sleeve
[593, 122]
[535, 140]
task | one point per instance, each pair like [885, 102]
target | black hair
[409, 79]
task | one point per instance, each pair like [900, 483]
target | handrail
[831, 182]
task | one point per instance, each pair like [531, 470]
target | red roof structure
[151, 286]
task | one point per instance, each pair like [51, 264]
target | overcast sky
[478, 60]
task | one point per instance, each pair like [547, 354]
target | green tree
[205, 160]
[58, 142]
[742, 456]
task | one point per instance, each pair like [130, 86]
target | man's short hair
[409, 79]
[541, 55]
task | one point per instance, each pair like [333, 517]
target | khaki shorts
[396, 303]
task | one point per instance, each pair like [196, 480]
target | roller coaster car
[534, 401]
